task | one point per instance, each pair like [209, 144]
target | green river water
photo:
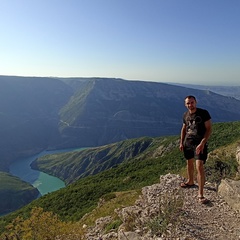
[43, 182]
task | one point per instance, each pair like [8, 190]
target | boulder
[238, 154]
[229, 190]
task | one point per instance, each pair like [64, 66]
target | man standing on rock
[195, 132]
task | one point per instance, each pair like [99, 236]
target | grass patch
[107, 205]
[222, 163]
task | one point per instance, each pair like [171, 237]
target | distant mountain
[44, 113]
[230, 91]
[49, 113]
[103, 111]
[29, 115]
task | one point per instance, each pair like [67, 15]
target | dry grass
[169, 217]
[107, 206]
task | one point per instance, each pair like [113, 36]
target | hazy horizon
[226, 84]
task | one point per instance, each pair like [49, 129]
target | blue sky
[182, 41]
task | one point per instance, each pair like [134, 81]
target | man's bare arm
[200, 147]
[183, 134]
[208, 126]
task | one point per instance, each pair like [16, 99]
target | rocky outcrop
[165, 211]
[238, 154]
[230, 191]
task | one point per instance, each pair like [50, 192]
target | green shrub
[114, 225]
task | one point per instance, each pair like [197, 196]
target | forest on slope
[144, 168]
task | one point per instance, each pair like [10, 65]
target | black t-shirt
[195, 124]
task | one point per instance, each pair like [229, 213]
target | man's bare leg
[200, 177]
[201, 180]
[190, 171]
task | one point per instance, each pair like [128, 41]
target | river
[45, 183]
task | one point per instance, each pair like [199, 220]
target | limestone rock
[128, 235]
[238, 155]
[189, 220]
[230, 191]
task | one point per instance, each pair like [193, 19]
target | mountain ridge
[230, 91]
[53, 113]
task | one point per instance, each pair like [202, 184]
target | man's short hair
[190, 96]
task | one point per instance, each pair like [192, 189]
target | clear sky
[182, 41]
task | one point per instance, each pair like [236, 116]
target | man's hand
[181, 147]
[199, 148]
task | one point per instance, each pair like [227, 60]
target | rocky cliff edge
[166, 211]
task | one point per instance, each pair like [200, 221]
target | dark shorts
[190, 152]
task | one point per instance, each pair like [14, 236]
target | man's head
[191, 103]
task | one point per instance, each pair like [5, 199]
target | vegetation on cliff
[11, 186]
[142, 169]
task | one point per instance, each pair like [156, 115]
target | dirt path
[215, 220]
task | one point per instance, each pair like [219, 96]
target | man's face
[190, 104]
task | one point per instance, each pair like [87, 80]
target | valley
[141, 167]
[124, 124]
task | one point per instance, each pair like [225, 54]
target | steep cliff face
[103, 111]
